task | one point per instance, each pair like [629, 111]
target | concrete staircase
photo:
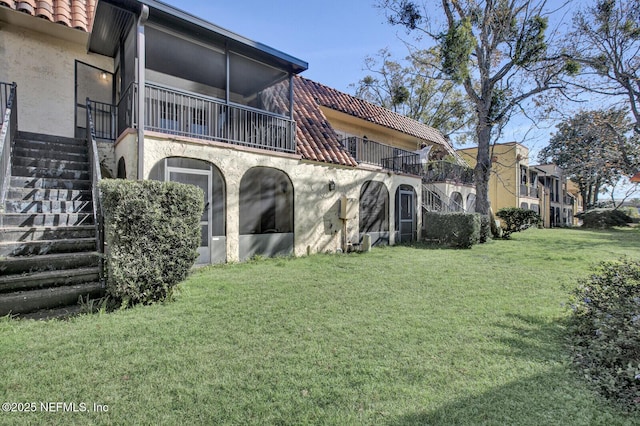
[48, 256]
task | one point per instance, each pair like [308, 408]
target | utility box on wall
[348, 208]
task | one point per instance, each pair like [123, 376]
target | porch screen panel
[266, 202]
[217, 197]
[185, 64]
[374, 207]
[258, 85]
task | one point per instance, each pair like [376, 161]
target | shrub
[604, 218]
[152, 232]
[515, 219]
[455, 229]
[605, 330]
[630, 211]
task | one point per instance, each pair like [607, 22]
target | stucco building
[545, 189]
[288, 166]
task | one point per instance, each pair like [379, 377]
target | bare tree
[498, 51]
[606, 43]
[417, 88]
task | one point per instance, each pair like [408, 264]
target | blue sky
[333, 36]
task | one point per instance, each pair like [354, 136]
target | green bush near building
[461, 230]
[152, 232]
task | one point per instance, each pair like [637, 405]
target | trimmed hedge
[605, 330]
[515, 219]
[604, 218]
[152, 233]
[455, 229]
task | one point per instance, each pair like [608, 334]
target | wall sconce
[332, 185]
[103, 75]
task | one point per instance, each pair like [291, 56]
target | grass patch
[401, 335]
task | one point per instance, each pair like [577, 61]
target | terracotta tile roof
[316, 139]
[72, 13]
[348, 104]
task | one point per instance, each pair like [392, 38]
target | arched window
[471, 202]
[122, 169]
[456, 200]
[266, 213]
[374, 212]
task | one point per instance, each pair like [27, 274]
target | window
[374, 207]
[266, 202]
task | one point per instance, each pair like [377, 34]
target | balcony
[402, 161]
[528, 191]
[385, 156]
[190, 115]
[444, 171]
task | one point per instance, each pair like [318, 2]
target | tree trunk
[482, 171]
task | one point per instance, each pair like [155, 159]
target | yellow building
[512, 183]
[544, 188]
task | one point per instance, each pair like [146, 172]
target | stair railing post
[96, 176]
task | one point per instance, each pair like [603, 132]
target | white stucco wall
[43, 66]
[317, 225]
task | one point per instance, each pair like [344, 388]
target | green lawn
[398, 336]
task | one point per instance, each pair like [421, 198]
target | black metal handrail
[444, 171]
[8, 132]
[5, 95]
[187, 114]
[96, 176]
[104, 120]
[434, 200]
[126, 109]
[379, 154]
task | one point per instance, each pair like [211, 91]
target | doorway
[406, 214]
[97, 85]
[203, 180]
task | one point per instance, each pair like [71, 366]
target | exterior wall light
[332, 185]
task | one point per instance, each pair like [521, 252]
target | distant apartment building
[544, 189]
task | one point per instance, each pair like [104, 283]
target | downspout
[142, 19]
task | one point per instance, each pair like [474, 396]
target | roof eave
[99, 41]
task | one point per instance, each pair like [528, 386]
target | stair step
[50, 173]
[49, 138]
[54, 155]
[38, 194]
[28, 248]
[50, 146]
[30, 301]
[63, 313]
[43, 219]
[56, 207]
[36, 233]
[49, 183]
[38, 280]
[47, 163]
[48, 262]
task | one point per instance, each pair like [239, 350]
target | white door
[201, 179]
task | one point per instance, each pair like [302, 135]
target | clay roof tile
[77, 14]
